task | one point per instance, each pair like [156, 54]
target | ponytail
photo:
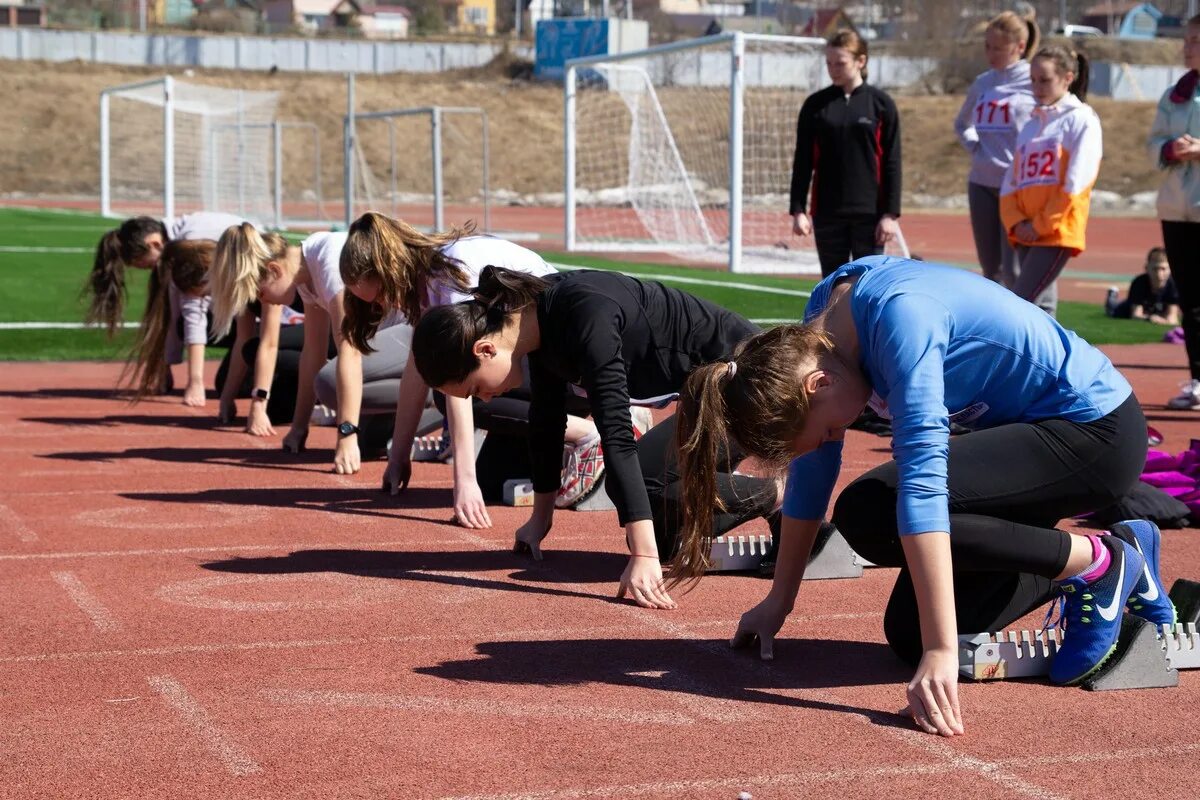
[756, 397]
[701, 435]
[444, 339]
[405, 261]
[185, 264]
[1033, 37]
[106, 285]
[1079, 86]
[238, 268]
[1066, 60]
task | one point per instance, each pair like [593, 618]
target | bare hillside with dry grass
[49, 127]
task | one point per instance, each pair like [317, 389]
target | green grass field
[45, 257]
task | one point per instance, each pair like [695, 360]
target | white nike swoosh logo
[1111, 612]
[1151, 595]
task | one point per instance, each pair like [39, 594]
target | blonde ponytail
[238, 269]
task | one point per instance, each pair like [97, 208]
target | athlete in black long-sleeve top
[621, 341]
[848, 153]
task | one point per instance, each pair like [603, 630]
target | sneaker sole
[1093, 670]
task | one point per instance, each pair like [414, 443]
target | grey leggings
[1040, 267]
[996, 256]
[382, 371]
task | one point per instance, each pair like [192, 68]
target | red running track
[188, 612]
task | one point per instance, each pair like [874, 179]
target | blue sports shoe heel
[1149, 599]
[1092, 614]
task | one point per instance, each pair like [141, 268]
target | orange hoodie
[1054, 168]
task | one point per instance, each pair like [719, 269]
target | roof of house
[385, 9]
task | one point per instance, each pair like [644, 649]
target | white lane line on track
[95, 610]
[230, 753]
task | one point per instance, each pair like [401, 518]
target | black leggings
[1009, 486]
[281, 405]
[1182, 242]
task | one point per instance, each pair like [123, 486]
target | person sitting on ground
[1152, 295]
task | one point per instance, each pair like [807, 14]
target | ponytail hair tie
[730, 369]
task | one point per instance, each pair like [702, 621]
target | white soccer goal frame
[168, 143]
[249, 108]
[737, 44]
[435, 114]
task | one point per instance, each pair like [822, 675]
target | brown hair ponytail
[1066, 60]
[105, 285]
[761, 402]
[405, 261]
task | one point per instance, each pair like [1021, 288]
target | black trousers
[281, 405]
[841, 239]
[1009, 486]
[1181, 239]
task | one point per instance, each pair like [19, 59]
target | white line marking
[55, 326]
[404, 545]
[12, 248]
[231, 754]
[96, 611]
[488, 708]
[11, 523]
[749, 287]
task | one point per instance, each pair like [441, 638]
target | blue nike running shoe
[1149, 599]
[1092, 614]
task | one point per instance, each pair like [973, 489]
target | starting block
[832, 558]
[1145, 657]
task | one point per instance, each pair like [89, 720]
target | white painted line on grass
[749, 287]
[55, 326]
[231, 754]
[11, 523]
[96, 611]
[31, 249]
[488, 709]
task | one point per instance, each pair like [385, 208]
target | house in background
[311, 15]
[17, 13]
[470, 16]
[384, 22]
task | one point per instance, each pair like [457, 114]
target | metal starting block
[1145, 657]
[740, 553]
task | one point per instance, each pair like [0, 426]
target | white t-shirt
[476, 252]
[201, 225]
[321, 253]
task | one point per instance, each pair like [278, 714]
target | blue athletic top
[940, 344]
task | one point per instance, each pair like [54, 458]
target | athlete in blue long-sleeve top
[1057, 432]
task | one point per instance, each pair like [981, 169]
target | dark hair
[1065, 61]
[762, 404]
[106, 282]
[404, 260]
[444, 339]
[145, 371]
[848, 39]
[1156, 254]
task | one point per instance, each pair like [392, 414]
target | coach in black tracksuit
[848, 150]
[620, 341]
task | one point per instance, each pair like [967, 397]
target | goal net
[169, 147]
[687, 149]
[427, 166]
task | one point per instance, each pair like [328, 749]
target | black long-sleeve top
[617, 338]
[848, 148]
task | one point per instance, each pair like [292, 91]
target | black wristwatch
[260, 394]
[347, 428]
